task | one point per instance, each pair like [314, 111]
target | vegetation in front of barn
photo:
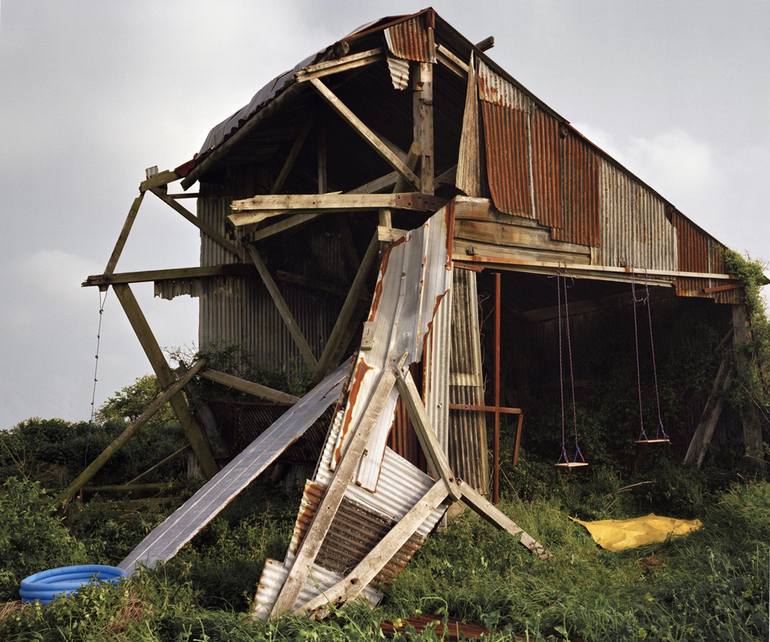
[710, 585]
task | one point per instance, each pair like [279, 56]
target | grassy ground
[711, 585]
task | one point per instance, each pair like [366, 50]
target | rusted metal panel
[399, 72]
[635, 230]
[545, 168]
[496, 90]
[185, 522]
[505, 142]
[402, 438]
[410, 39]
[467, 431]
[579, 193]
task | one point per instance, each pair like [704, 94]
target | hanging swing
[577, 460]
[661, 437]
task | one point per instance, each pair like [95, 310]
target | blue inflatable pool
[46, 585]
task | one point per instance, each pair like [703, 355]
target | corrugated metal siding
[467, 430]
[436, 359]
[635, 231]
[545, 169]
[402, 438]
[410, 40]
[580, 193]
[238, 311]
[496, 90]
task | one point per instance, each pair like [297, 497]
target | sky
[94, 92]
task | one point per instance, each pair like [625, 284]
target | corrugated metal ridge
[410, 40]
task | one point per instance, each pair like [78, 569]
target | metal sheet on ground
[182, 525]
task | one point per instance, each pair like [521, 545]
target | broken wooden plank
[345, 63]
[204, 227]
[343, 326]
[249, 387]
[375, 560]
[173, 274]
[160, 179]
[283, 309]
[291, 157]
[102, 458]
[166, 378]
[367, 134]
[468, 175]
[429, 443]
[327, 509]
[124, 232]
[496, 517]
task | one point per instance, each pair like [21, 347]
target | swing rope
[660, 430]
[571, 371]
[102, 300]
[642, 431]
[563, 457]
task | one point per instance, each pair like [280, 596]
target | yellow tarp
[620, 534]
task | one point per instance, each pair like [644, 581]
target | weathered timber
[468, 174]
[486, 44]
[283, 309]
[362, 130]
[161, 179]
[375, 560]
[336, 201]
[344, 325]
[166, 378]
[422, 121]
[204, 227]
[173, 274]
[291, 157]
[96, 465]
[704, 432]
[250, 387]
[345, 63]
[449, 60]
[124, 232]
[389, 234]
[327, 509]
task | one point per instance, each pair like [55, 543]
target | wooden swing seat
[656, 440]
[571, 464]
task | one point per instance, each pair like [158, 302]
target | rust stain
[545, 168]
[355, 387]
[311, 498]
[380, 279]
[450, 234]
[411, 39]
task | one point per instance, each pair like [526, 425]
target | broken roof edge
[193, 169]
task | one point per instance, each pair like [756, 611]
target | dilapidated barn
[400, 198]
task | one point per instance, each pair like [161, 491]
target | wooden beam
[452, 62]
[362, 130]
[124, 232]
[173, 274]
[291, 157]
[380, 184]
[161, 179]
[327, 509]
[283, 309]
[704, 432]
[344, 325]
[375, 560]
[249, 387]
[752, 422]
[496, 517]
[434, 453]
[345, 63]
[166, 378]
[156, 404]
[321, 158]
[472, 408]
[422, 121]
[389, 234]
[204, 227]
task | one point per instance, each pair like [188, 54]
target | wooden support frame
[338, 65]
[291, 157]
[374, 141]
[283, 309]
[173, 274]
[166, 378]
[124, 232]
[422, 121]
[343, 326]
[327, 509]
[249, 387]
[98, 463]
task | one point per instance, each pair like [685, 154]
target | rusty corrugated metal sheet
[402, 438]
[399, 72]
[545, 168]
[635, 230]
[467, 431]
[411, 40]
[496, 90]
[579, 193]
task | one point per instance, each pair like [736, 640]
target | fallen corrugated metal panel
[399, 72]
[545, 168]
[580, 193]
[274, 575]
[168, 289]
[410, 39]
[467, 430]
[412, 280]
[182, 525]
[635, 231]
[468, 174]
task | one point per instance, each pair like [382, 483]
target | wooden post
[166, 378]
[123, 236]
[96, 465]
[752, 423]
[249, 387]
[701, 439]
[496, 443]
[422, 121]
[343, 326]
[519, 426]
[288, 318]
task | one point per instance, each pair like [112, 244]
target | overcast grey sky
[93, 92]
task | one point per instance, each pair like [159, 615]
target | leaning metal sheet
[415, 275]
[183, 524]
